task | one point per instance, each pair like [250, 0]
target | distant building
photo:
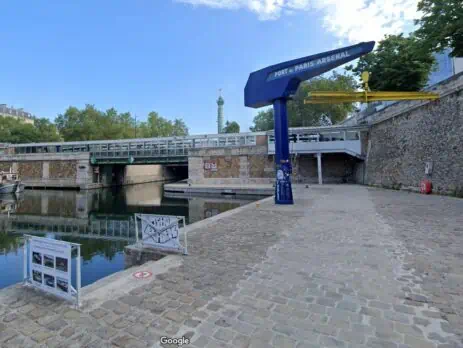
[446, 67]
[18, 114]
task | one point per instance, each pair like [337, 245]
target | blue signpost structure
[276, 84]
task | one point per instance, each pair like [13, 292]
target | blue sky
[170, 56]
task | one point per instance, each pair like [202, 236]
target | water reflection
[101, 220]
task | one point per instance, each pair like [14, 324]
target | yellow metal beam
[323, 97]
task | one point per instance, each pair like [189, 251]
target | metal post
[25, 273]
[185, 252]
[283, 191]
[319, 166]
[136, 228]
[78, 276]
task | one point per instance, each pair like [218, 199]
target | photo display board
[50, 266]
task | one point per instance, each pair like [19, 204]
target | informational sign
[210, 165]
[161, 231]
[48, 266]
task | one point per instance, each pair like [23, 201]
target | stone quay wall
[407, 136]
[51, 170]
[253, 165]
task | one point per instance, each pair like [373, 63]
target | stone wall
[405, 136]
[253, 165]
[51, 169]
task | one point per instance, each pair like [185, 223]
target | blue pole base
[283, 189]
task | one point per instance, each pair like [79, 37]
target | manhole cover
[142, 274]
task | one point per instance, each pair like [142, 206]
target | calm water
[101, 220]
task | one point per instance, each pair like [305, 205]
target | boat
[10, 183]
[9, 202]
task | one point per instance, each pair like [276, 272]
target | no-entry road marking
[142, 274]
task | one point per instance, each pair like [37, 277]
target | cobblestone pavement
[347, 266]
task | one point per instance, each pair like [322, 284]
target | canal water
[102, 221]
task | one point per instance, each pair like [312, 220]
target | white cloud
[351, 20]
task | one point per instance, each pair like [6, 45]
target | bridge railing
[313, 141]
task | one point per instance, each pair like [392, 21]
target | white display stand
[162, 232]
[48, 267]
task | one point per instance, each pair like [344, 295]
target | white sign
[307, 65]
[49, 267]
[161, 231]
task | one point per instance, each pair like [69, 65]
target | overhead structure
[365, 96]
[276, 84]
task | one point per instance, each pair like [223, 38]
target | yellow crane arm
[323, 97]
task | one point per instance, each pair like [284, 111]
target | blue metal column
[283, 190]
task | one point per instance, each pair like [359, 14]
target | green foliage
[231, 127]
[93, 124]
[307, 115]
[16, 131]
[398, 64]
[441, 25]
[157, 126]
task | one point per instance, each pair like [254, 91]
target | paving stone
[325, 329]
[284, 329]
[214, 307]
[137, 330]
[416, 342]
[41, 336]
[436, 337]
[404, 309]
[121, 323]
[98, 313]
[400, 317]
[379, 304]
[283, 342]
[378, 343]
[72, 315]
[10, 317]
[411, 330]
[127, 341]
[105, 332]
[333, 295]
[326, 301]
[56, 325]
[224, 335]
[192, 323]
[417, 298]
[352, 336]
[201, 342]
[7, 334]
[174, 316]
[348, 306]
[328, 341]
[421, 321]
[372, 312]
[67, 332]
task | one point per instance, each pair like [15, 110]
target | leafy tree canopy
[441, 25]
[93, 124]
[307, 115]
[231, 127]
[398, 64]
[16, 131]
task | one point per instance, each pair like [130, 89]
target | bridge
[104, 162]
[174, 150]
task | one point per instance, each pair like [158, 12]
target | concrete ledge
[262, 189]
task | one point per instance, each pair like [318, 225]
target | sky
[171, 56]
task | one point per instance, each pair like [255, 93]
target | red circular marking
[142, 274]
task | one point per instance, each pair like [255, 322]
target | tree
[398, 64]
[441, 25]
[16, 131]
[306, 115]
[263, 121]
[157, 126]
[231, 127]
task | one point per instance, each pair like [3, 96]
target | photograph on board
[49, 280]
[37, 258]
[61, 264]
[62, 284]
[37, 276]
[49, 261]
